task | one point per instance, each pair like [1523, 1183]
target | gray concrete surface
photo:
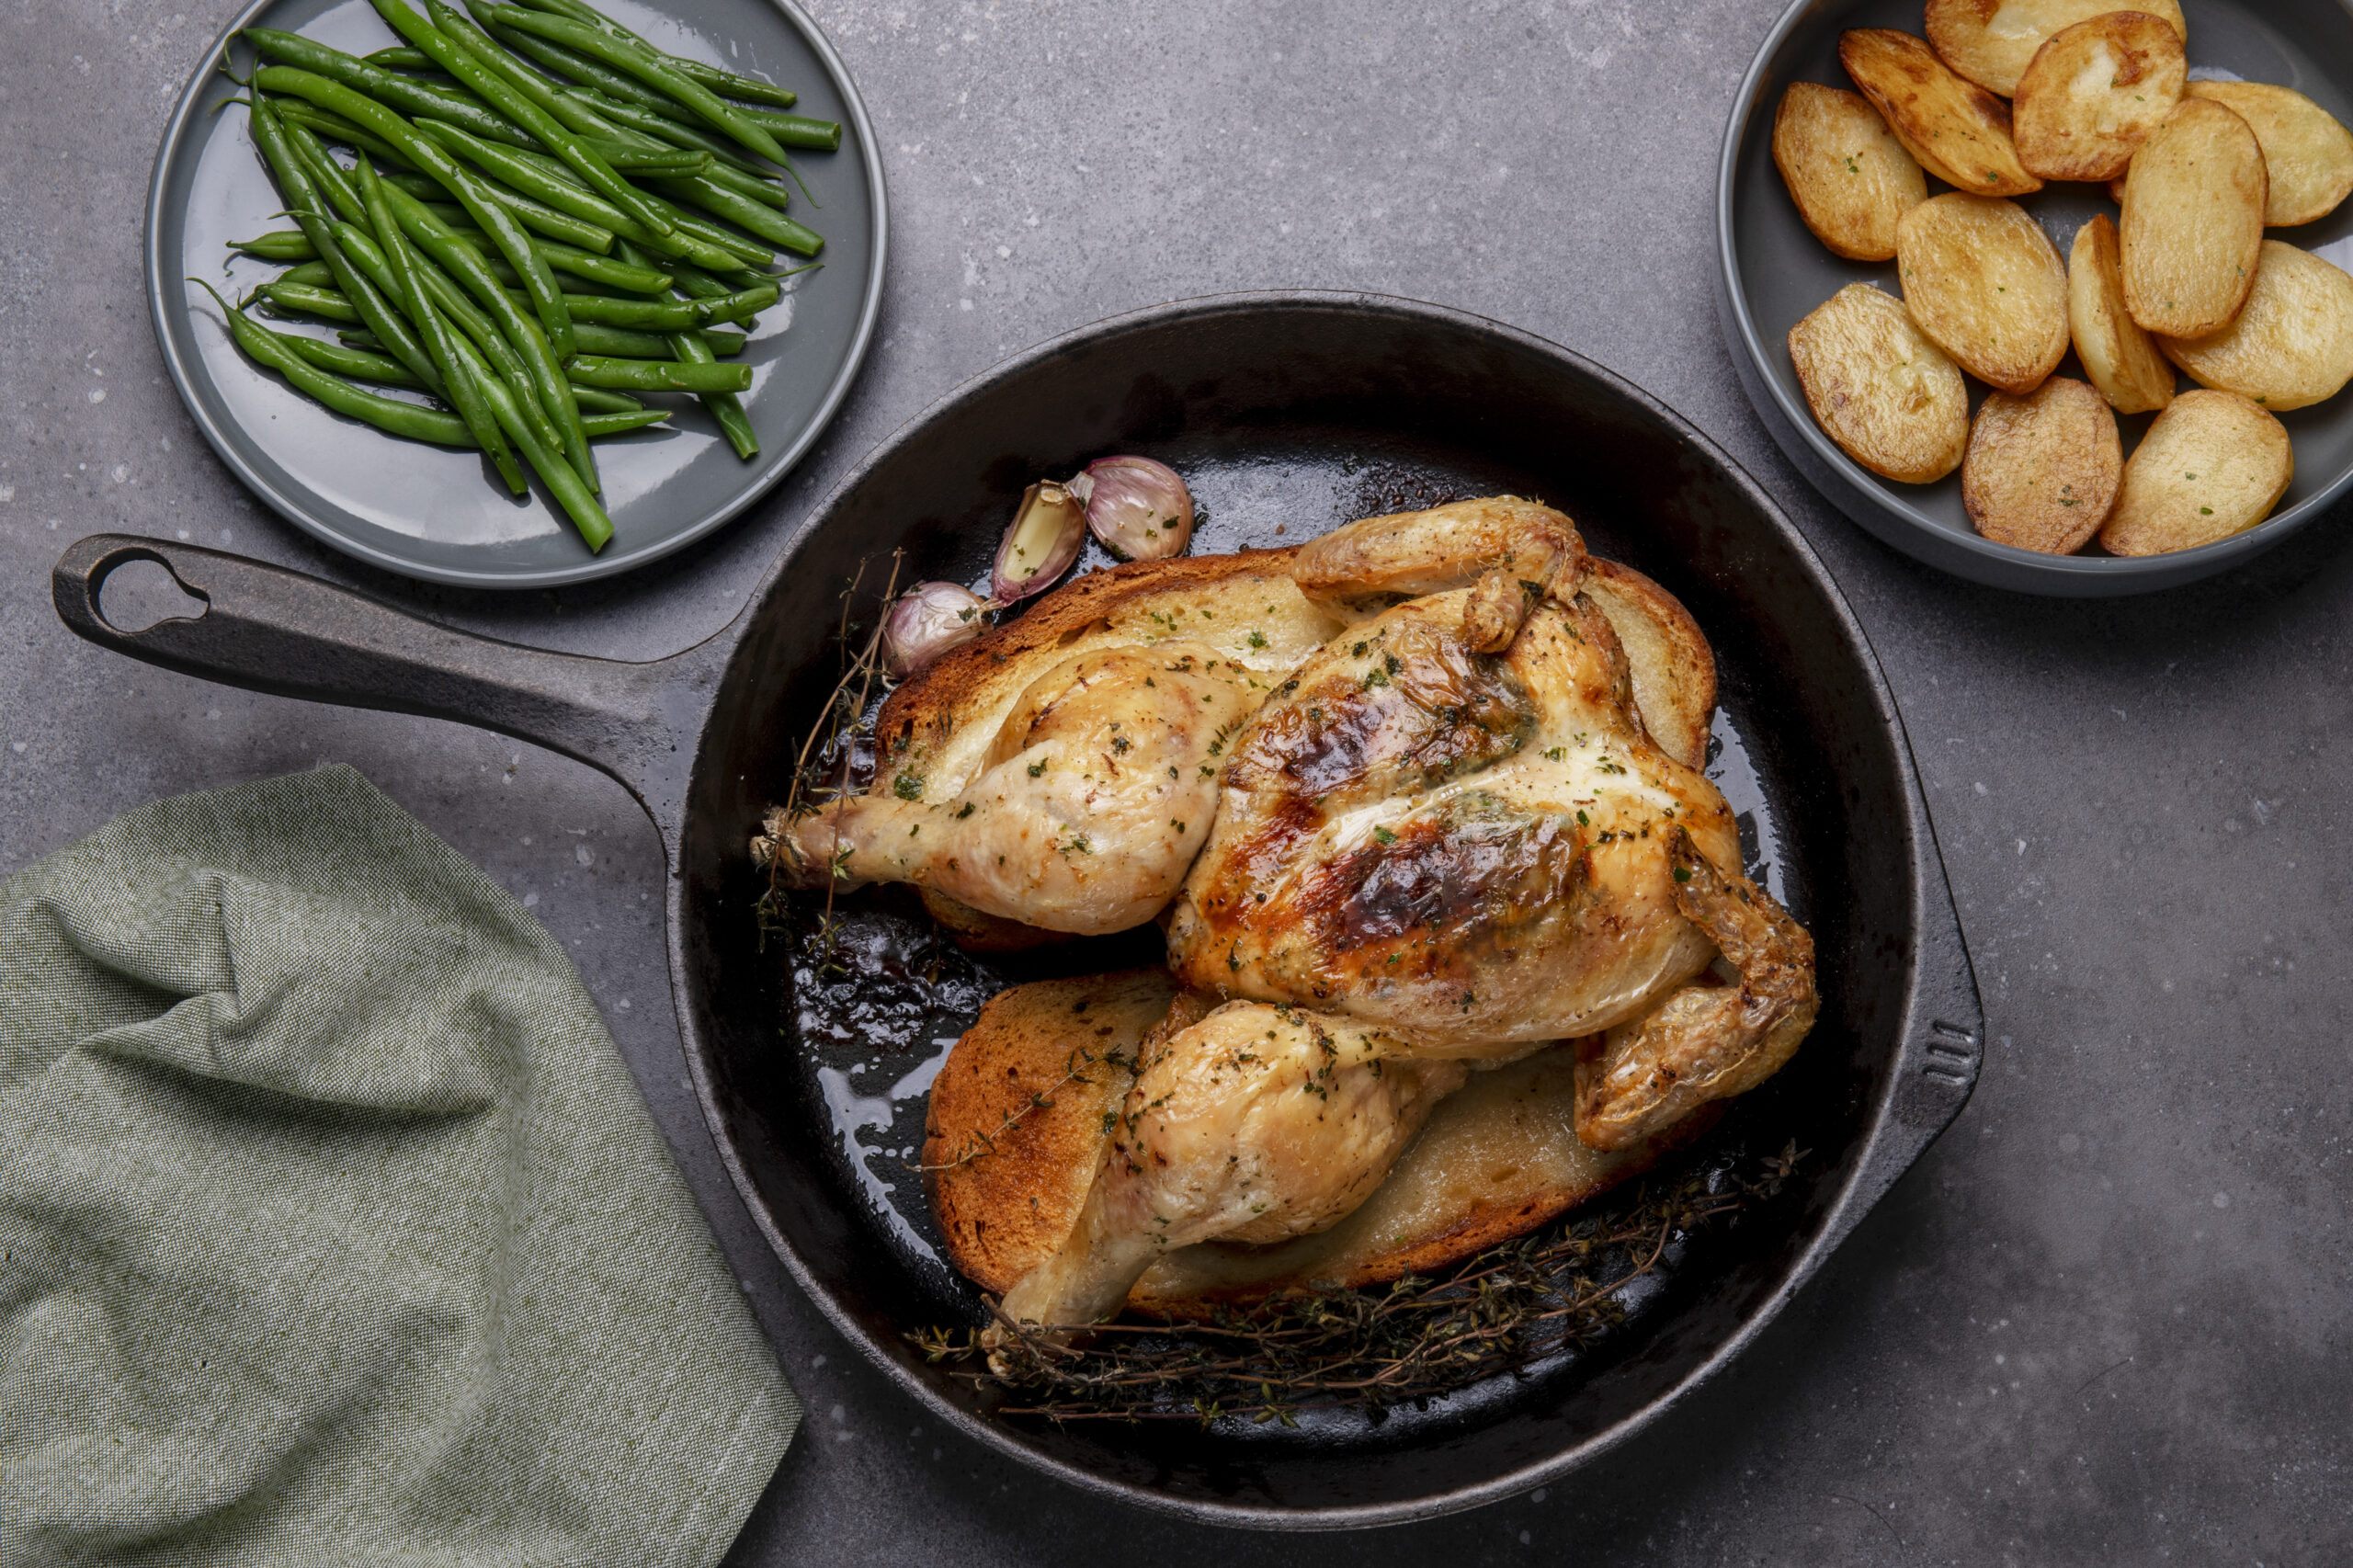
[2108, 1320]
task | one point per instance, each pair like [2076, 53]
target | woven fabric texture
[333, 1228]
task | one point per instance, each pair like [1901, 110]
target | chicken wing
[1090, 804]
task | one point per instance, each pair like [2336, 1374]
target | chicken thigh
[1249, 1123]
[1451, 825]
[1092, 800]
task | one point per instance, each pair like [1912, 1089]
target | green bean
[596, 400]
[648, 67]
[679, 163]
[711, 77]
[543, 221]
[726, 408]
[382, 85]
[611, 86]
[798, 129]
[526, 82]
[757, 217]
[625, 342]
[334, 127]
[400, 57]
[267, 347]
[278, 244]
[310, 274]
[536, 181]
[428, 155]
[586, 265]
[620, 421]
[737, 173]
[438, 341]
[333, 180]
[465, 264]
[280, 156]
[327, 305]
[355, 364]
[501, 95]
[578, 502]
[655, 375]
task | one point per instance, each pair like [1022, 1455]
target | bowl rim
[2056, 574]
[226, 439]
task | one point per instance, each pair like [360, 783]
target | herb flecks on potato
[1880, 387]
[2042, 471]
[2213, 465]
[1850, 178]
[1981, 278]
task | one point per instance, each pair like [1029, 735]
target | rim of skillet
[2061, 575]
[159, 275]
[1009, 1440]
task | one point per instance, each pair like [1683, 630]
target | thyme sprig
[1503, 1310]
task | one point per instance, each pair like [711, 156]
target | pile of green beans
[492, 153]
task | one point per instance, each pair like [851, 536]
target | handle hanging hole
[139, 594]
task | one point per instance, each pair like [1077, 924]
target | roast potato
[2307, 153]
[2193, 220]
[1981, 278]
[2213, 464]
[1880, 387]
[2292, 345]
[1993, 41]
[2094, 93]
[2122, 361]
[1960, 134]
[2042, 470]
[1849, 175]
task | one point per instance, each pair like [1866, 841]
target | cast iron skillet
[1294, 408]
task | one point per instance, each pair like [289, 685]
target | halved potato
[2193, 220]
[1981, 278]
[2292, 345]
[1849, 175]
[2307, 153]
[2122, 361]
[2211, 465]
[1881, 389]
[1993, 41]
[2042, 470]
[1960, 134]
[2094, 93]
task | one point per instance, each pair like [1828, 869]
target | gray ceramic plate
[1774, 272]
[426, 511]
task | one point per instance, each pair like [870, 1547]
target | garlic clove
[1042, 542]
[928, 620]
[1138, 507]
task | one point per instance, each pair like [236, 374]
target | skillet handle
[267, 629]
[1943, 1036]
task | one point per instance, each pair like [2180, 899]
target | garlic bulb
[1041, 544]
[1139, 508]
[928, 620]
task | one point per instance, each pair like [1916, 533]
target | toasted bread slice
[1497, 1160]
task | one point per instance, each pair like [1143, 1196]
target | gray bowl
[1774, 272]
[432, 513]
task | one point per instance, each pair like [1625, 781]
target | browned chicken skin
[1447, 839]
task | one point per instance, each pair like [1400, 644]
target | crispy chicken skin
[1092, 801]
[1247, 1121]
[1472, 850]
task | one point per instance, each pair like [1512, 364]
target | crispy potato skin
[2192, 230]
[1850, 178]
[1982, 280]
[2213, 464]
[2292, 345]
[1993, 41]
[2121, 358]
[2094, 93]
[2042, 471]
[1957, 131]
[2307, 153]
[1881, 388]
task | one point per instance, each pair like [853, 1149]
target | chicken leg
[1254, 1124]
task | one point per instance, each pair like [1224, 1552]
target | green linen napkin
[333, 1230]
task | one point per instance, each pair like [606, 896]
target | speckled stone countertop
[2109, 1319]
